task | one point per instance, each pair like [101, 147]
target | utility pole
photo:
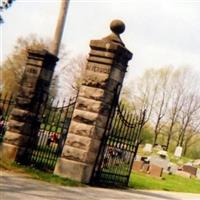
[59, 27]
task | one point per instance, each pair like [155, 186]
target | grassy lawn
[37, 174]
[168, 183]
[137, 180]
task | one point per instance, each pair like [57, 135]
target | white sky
[158, 32]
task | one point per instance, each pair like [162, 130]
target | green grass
[167, 183]
[37, 174]
[49, 127]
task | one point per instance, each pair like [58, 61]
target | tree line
[171, 98]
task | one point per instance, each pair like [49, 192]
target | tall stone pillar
[105, 70]
[23, 121]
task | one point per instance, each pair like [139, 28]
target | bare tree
[177, 83]
[145, 92]
[187, 115]
[13, 67]
[71, 74]
[192, 137]
[161, 104]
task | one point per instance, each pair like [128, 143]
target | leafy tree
[67, 76]
[172, 100]
[13, 67]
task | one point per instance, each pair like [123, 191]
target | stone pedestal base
[73, 170]
[11, 152]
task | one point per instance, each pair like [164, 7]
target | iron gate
[119, 148]
[50, 139]
[6, 104]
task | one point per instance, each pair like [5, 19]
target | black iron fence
[6, 104]
[54, 124]
[119, 148]
[46, 145]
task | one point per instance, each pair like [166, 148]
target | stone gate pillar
[23, 121]
[105, 70]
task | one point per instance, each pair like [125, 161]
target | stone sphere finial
[117, 26]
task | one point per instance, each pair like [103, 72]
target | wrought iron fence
[119, 148]
[54, 119]
[50, 139]
[6, 104]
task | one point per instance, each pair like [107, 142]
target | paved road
[16, 187]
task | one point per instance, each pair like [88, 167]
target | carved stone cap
[117, 27]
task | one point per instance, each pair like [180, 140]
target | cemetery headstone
[145, 167]
[173, 168]
[160, 161]
[137, 165]
[137, 158]
[190, 169]
[147, 148]
[155, 170]
[198, 174]
[178, 151]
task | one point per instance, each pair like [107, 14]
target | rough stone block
[35, 62]
[15, 138]
[20, 115]
[96, 94]
[10, 152]
[74, 170]
[103, 60]
[102, 54]
[19, 127]
[86, 130]
[155, 170]
[106, 46]
[72, 153]
[81, 142]
[27, 92]
[92, 106]
[23, 102]
[89, 118]
[20, 112]
[95, 79]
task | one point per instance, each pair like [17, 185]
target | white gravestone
[147, 148]
[178, 151]
[160, 161]
[198, 174]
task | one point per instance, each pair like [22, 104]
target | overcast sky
[158, 32]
